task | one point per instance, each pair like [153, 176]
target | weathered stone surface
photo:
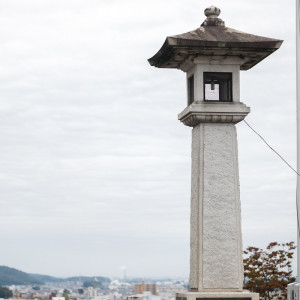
[216, 244]
[216, 112]
[196, 207]
[217, 296]
[212, 38]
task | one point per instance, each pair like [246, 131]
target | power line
[273, 149]
[297, 208]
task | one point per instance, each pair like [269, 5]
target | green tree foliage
[268, 272]
[66, 294]
[10, 276]
[5, 293]
[80, 291]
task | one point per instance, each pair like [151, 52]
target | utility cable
[273, 149]
[297, 208]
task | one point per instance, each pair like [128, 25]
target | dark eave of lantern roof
[211, 39]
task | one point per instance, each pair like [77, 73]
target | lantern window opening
[191, 96]
[217, 86]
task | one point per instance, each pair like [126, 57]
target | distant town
[41, 287]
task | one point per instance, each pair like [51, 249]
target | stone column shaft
[216, 241]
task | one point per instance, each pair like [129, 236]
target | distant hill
[9, 276]
[46, 278]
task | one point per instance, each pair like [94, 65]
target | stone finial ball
[212, 12]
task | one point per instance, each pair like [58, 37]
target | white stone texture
[213, 112]
[212, 12]
[216, 243]
[218, 295]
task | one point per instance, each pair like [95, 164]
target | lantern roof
[211, 41]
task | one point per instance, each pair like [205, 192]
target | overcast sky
[95, 166]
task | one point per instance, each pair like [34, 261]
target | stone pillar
[212, 57]
[216, 264]
[216, 241]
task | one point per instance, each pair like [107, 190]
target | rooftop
[212, 39]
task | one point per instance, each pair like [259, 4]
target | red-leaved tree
[269, 271]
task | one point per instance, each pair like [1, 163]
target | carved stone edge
[195, 118]
[213, 113]
[222, 295]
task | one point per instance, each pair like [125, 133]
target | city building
[146, 287]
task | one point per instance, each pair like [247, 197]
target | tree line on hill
[5, 293]
[11, 276]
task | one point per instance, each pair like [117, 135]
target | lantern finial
[212, 12]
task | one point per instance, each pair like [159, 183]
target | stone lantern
[212, 57]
